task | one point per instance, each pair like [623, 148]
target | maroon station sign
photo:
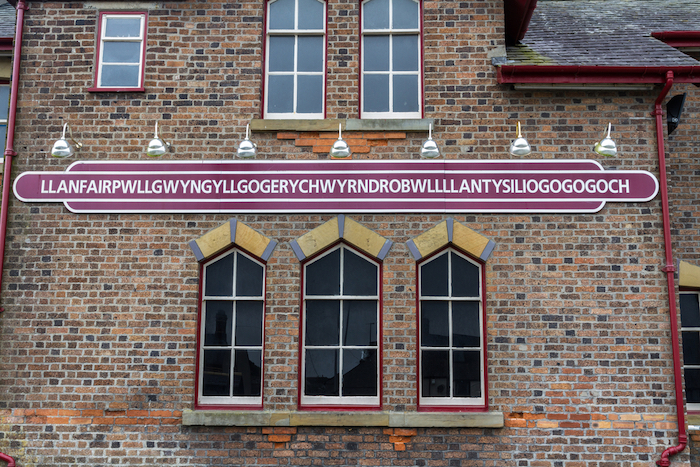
[268, 186]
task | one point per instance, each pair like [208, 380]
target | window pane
[360, 322]
[376, 93]
[433, 277]
[375, 14]
[466, 331]
[247, 372]
[360, 373]
[310, 53]
[692, 385]
[322, 375]
[218, 322]
[122, 27]
[120, 75]
[376, 53]
[404, 14]
[691, 348]
[467, 371]
[281, 14]
[249, 318]
[310, 94]
[4, 102]
[249, 278]
[690, 311]
[3, 134]
[435, 371]
[465, 277]
[121, 52]
[280, 94]
[323, 275]
[435, 324]
[405, 93]
[281, 53]
[359, 275]
[311, 14]
[405, 53]
[219, 278]
[217, 373]
[322, 322]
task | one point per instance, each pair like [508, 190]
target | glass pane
[466, 331]
[3, 134]
[404, 14]
[690, 310]
[121, 52]
[218, 278]
[120, 75]
[360, 373]
[692, 385]
[310, 53]
[375, 14]
[310, 94]
[435, 373]
[406, 93]
[691, 348]
[465, 277]
[247, 373]
[281, 53]
[467, 374]
[122, 27]
[249, 277]
[322, 322]
[281, 14]
[322, 375]
[433, 277]
[359, 275]
[4, 102]
[216, 379]
[280, 94]
[218, 323]
[405, 53]
[360, 322]
[376, 93]
[249, 318]
[376, 53]
[323, 275]
[435, 324]
[311, 14]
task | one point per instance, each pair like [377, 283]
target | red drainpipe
[669, 269]
[10, 461]
[9, 146]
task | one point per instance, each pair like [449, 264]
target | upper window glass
[391, 59]
[341, 322]
[121, 51]
[690, 329]
[451, 336]
[295, 59]
[231, 331]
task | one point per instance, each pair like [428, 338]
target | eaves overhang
[681, 39]
[582, 74]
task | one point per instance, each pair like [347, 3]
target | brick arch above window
[341, 228]
[228, 234]
[451, 232]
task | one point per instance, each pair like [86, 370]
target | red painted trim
[198, 338]
[679, 38]
[421, 65]
[518, 14]
[325, 63]
[263, 57]
[574, 74]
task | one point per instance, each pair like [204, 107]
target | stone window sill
[377, 419]
[350, 124]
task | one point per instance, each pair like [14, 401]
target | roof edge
[518, 14]
[678, 38]
[577, 74]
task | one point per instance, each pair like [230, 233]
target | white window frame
[233, 400]
[342, 401]
[391, 32]
[296, 33]
[690, 406]
[452, 401]
[102, 39]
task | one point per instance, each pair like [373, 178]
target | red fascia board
[6, 43]
[679, 38]
[572, 74]
[518, 14]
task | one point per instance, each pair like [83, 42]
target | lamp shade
[606, 146]
[64, 148]
[340, 149]
[429, 149]
[520, 146]
[157, 147]
[246, 149]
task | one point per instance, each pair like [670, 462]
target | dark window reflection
[435, 371]
[219, 278]
[218, 323]
[249, 278]
[690, 310]
[691, 347]
[692, 385]
[467, 373]
[433, 277]
[359, 372]
[323, 275]
[435, 324]
[465, 277]
[360, 322]
[322, 372]
[465, 324]
[217, 373]
[247, 373]
[322, 322]
[359, 275]
[249, 317]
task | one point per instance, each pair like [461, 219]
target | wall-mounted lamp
[63, 148]
[340, 149]
[430, 149]
[520, 147]
[606, 146]
[247, 148]
[157, 147]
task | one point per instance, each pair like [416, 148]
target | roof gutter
[587, 74]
